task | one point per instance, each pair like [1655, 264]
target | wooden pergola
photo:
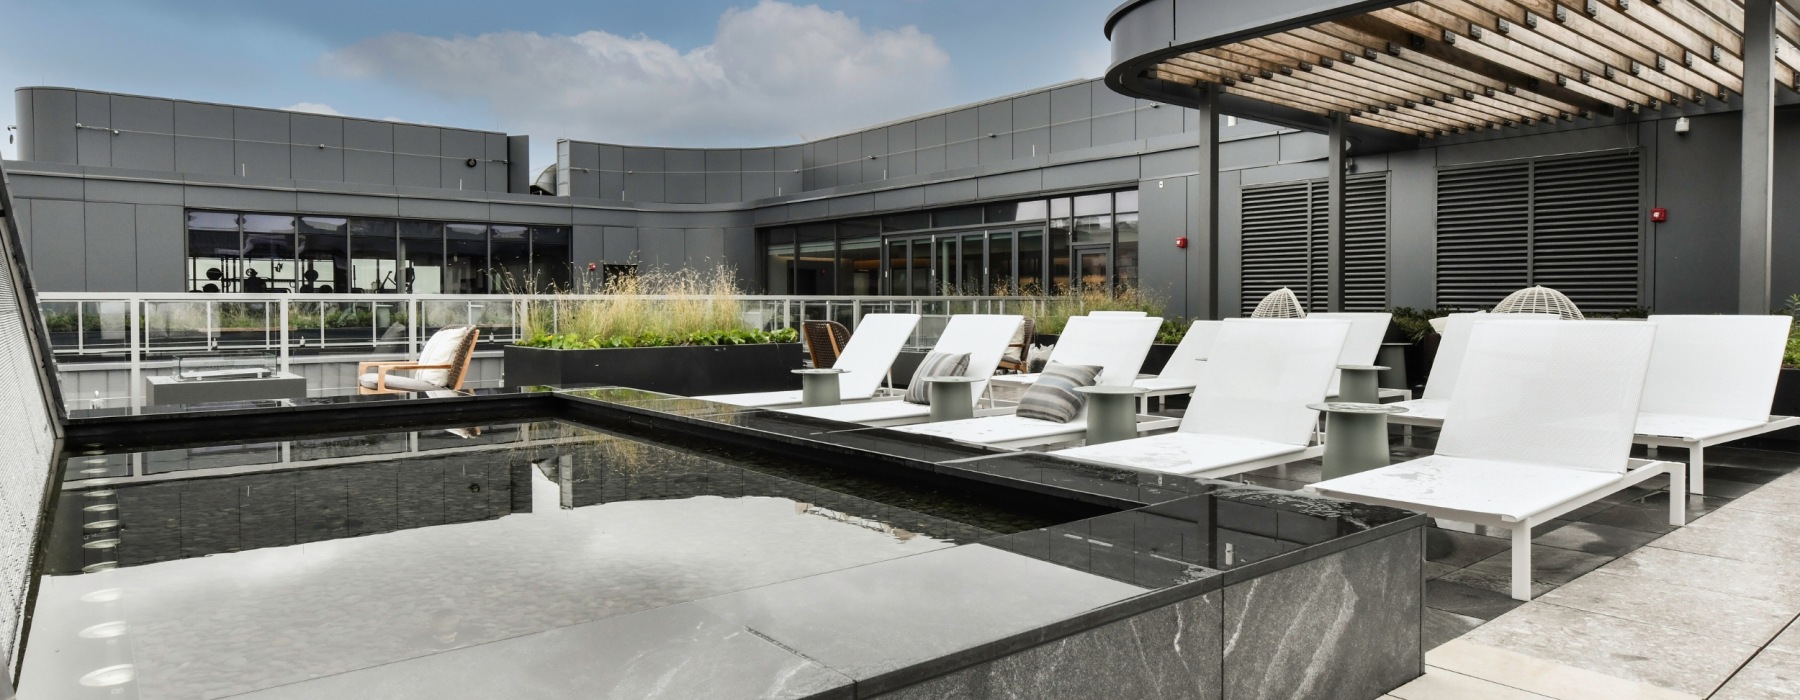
[1438, 67]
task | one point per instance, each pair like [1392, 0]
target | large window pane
[269, 263]
[817, 264]
[859, 266]
[1034, 210]
[1125, 251]
[907, 221]
[374, 252]
[1031, 262]
[974, 264]
[509, 266]
[422, 252]
[324, 254]
[1000, 264]
[551, 259]
[960, 216]
[920, 262]
[215, 252]
[1093, 229]
[1059, 254]
[1093, 204]
[778, 262]
[1126, 201]
[465, 259]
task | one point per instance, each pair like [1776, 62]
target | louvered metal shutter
[1277, 226]
[1572, 223]
[1286, 242]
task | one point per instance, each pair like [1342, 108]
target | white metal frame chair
[1184, 366]
[1118, 344]
[983, 336]
[1711, 381]
[1541, 425]
[867, 360]
[1249, 407]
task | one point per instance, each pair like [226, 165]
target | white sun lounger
[1429, 410]
[983, 336]
[1249, 407]
[1118, 344]
[1118, 314]
[1541, 425]
[1362, 347]
[866, 360]
[1711, 381]
[1183, 368]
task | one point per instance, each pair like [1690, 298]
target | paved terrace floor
[1625, 606]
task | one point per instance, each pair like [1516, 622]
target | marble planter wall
[1342, 627]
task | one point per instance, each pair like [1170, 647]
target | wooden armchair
[442, 365]
[1018, 354]
[824, 341]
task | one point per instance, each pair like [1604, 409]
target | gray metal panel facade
[146, 138]
[621, 245]
[111, 242]
[161, 247]
[368, 152]
[318, 150]
[662, 248]
[704, 248]
[59, 245]
[93, 121]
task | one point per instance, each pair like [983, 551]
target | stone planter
[687, 370]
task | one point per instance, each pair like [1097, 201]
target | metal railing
[92, 331]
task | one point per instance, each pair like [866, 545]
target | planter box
[688, 370]
[1157, 359]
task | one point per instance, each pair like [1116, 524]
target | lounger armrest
[382, 369]
[1150, 423]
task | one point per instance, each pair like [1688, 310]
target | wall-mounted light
[1682, 125]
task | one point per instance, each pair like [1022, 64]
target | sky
[716, 73]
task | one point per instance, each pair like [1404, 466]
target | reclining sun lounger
[1429, 410]
[1117, 344]
[1364, 344]
[866, 360]
[1711, 381]
[982, 336]
[1183, 369]
[1249, 408]
[1541, 425]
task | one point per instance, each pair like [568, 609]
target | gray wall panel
[1155, 119]
[908, 198]
[612, 172]
[852, 204]
[111, 242]
[94, 145]
[132, 192]
[1231, 258]
[161, 248]
[1301, 146]
[494, 166]
[903, 158]
[1249, 153]
[232, 199]
[442, 209]
[849, 159]
[621, 245]
[58, 244]
[45, 187]
[587, 246]
[262, 145]
[415, 156]
[950, 192]
[553, 212]
[685, 180]
[993, 129]
[960, 149]
[1023, 182]
[1091, 174]
[644, 174]
[875, 161]
[704, 248]
[787, 170]
[145, 140]
[815, 209]
[741, 254]
[455, 148]
[52, 141]
[662, 248]
[1698, 179]
[1170, 163]
[1412, 229]
[603, 217]
[346, 204]
[582, 176]
[724, 176]
[1114, 121]
[1785, 256]
[369, 152]
[1071, 118]
[1162, 218]
[930, 134]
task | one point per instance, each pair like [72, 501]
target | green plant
[1790, 357]
[1051, 312]
[1172, 331]
[1415, 324]
[651, 309]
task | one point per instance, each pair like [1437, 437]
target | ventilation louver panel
[1572, 223]
[1366, 242]
[1276, 240]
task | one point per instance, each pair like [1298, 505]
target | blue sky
[669, 72]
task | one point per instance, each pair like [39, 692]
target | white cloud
[313, 108]
[772, 71]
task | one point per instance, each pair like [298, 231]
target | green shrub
[648, 310]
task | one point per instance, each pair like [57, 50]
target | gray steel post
[1334, 216]
[1757, 178]
[1203, 273]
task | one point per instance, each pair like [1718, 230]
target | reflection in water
[212, 582]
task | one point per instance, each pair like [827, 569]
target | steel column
[1203, 274]
[1334, 215]
[1757, 178]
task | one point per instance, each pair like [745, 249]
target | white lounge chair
[1711, 381]
[1118, 344]
[1249, 408]
[983, 336]
[1541, 425]
[866, 360]
[1118, 314]
[1364, 344]
[1183, 369]
[1079, 339]
[1429, 410]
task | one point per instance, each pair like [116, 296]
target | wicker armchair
[824, 340]
[1018, 354]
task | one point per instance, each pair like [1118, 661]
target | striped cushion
[937, 364]
[1053, 397]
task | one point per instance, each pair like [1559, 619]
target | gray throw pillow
[1053, 397]
[937, 364]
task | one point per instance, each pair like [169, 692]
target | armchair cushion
[399, 382]
[442, 349]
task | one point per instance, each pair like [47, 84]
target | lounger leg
[1696, 469]
[1650, 451]
[1521, 561]
[1677, 485]
[1406, 434]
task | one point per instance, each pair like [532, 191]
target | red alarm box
[1181, 242]
[1659, 215]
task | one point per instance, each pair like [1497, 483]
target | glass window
[509, 264]
[1016, 211]
[778, 262]
[1125, 201]
[465, 259]
[859, 266]
[1093, 229]
[920, 262]
[1125, 251]
[1031, 262]
[215, 252]
[422, 254]
[960, 216]
[551, 259]
[1093, 204]
[1059, 208]
[1000, 264]
[1059, 255]
[908, 221]
[817, 261]
[374, 256]
[974, 266]
[324, 254]
[269, 264]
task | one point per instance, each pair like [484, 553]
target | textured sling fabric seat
[1541, 424]
[1117, 344]
[866, 360]
[1248, 409]
[1430, 409]
[982, 336]
[1183, 368]
[1363, 346]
